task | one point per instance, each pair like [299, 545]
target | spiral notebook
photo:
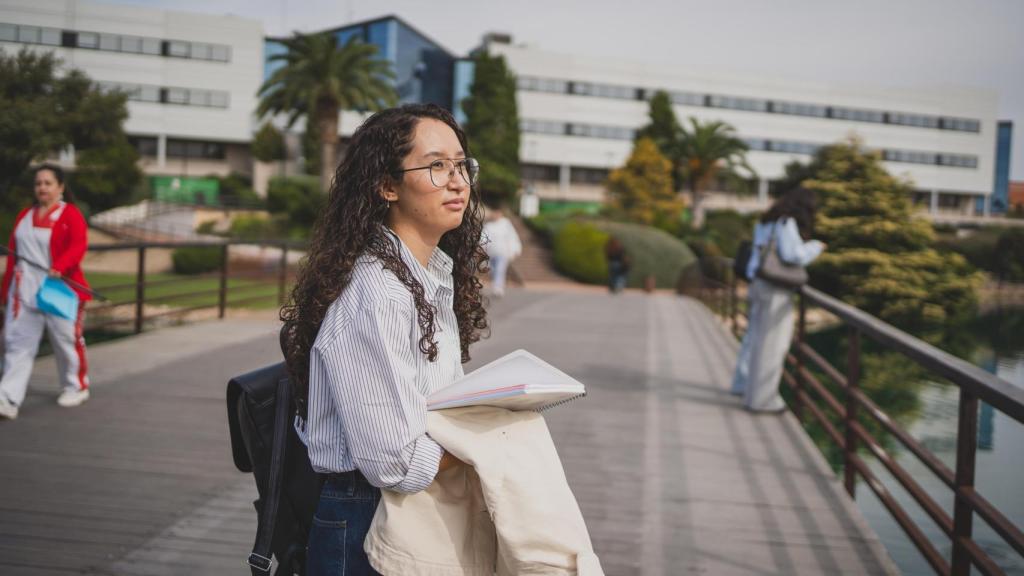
[516, 381]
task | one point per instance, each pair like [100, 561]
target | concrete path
[672, 475]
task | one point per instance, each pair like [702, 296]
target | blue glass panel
[465, 70]
[272, 48]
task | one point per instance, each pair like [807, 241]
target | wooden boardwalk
[672, 475]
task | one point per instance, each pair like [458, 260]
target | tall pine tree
[492, 127]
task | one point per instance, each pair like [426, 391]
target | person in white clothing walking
[49, 238]
[502, 244]
[770, 311]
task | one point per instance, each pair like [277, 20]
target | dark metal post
[283, 275]
[852, 383]
[222, 302]
[140, 289]
[801, 334]
[966, 449]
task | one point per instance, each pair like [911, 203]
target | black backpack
[261, 413]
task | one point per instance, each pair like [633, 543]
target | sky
[977, 44]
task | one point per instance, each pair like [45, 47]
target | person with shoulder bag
[781, 249]
[45, 250]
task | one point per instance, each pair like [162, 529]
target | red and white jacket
[68, 243]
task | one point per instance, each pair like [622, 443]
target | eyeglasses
[441, 170]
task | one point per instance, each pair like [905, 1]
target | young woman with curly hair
[382, 315]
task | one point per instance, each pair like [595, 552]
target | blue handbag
[56, 298]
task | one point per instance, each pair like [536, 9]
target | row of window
[194, 149]
[114, 42]
[758, 144]
[550, 173]
[533, 84]
[163, 95]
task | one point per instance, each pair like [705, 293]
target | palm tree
[318, 80]
[707, 151]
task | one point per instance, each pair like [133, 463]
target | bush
[254, 228]
[197, 259]
[579, 252]
[236, 190]
[298, 197]
[726, 229]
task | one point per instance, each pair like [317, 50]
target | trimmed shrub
[297, 196]
[579, 252]
[252, 227]
[651, 252]
[197, 259]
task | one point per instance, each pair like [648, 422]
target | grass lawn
[177, 284]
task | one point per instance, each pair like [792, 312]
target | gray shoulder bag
[776, 271]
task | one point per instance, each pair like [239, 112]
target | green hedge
[579, 252]
[197, 259]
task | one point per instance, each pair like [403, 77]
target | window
[28, 34]
[177, 96]
[144, 145]
[736, 103]
[587, 175]
[918, 120]
[149, 93]
[152, 46]
[539, 172]
[687, 98]
[88, 40]
[177, 49]
[219, 99]
[961, 124]
[799, 109]
[857, 115]
[8, 33]
[50, 37]
[201, 51]
[195, 149]
[756, 143]
[198, 97]
[131, 44]
[110, 42]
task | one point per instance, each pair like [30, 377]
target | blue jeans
[342, 520]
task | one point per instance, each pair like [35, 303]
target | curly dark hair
[797, 203]
[352, 224]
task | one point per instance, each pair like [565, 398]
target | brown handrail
[975, 385]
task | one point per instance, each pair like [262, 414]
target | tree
[268, 144]
[642, 192]
[492, 127]
[663, 128]
[318, 80]
[709, 151]
[880, 255]
[43, 111]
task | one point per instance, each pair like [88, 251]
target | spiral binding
[560, 402]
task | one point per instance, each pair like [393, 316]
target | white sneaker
[7, 410]
[69, 398]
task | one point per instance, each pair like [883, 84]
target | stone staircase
[535, 264]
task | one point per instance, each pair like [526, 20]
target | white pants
[499, 268]
[769, 332]
[23, 329]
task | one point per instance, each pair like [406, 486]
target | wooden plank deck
[672, 475]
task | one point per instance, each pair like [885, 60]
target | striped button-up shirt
[368, 380]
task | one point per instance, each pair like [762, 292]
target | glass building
[423, 69]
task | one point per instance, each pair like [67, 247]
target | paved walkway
[672, 476]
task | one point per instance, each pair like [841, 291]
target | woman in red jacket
[52, 233]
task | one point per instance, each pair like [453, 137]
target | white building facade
[579, 115]
[191, 78]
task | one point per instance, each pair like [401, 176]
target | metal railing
[260, 278]
[841, 420]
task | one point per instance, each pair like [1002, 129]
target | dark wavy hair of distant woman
[797, 203]
[352, 224]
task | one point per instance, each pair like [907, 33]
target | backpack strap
[259, 560]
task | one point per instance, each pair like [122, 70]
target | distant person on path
[382, 315]
[502, 244]
[618, 265]
[770, 307]
[51, 233]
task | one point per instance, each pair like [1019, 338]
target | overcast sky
[902, 43]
